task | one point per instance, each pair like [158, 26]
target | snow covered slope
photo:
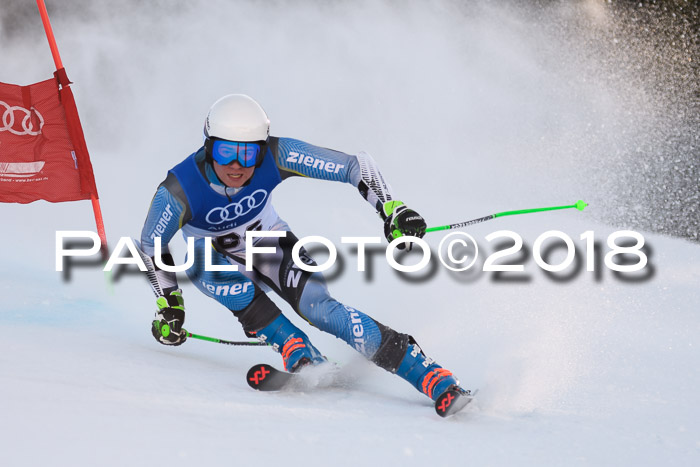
[582, 373]
[467, 114]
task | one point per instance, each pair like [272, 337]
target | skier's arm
[166, 216]
[296, 157]
[167, 213]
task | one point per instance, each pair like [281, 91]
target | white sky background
[495, 103]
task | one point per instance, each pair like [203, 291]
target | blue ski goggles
[225, 152]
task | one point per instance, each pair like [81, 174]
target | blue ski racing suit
[193, 199]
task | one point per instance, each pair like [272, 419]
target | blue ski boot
[292, 343]
[424, 374]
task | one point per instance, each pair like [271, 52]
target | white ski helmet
[237, 117]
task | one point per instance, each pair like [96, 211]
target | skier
[222, 191]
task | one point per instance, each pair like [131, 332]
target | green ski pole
[222, 341]
[580, 205]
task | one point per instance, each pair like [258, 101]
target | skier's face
[234, 174]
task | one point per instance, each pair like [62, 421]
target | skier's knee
[315, 302]
[392, 348]
[258, 314]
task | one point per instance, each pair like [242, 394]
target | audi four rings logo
[8, 120]
[235, 210]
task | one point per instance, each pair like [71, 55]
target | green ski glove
[399, 220]
[167, 327]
